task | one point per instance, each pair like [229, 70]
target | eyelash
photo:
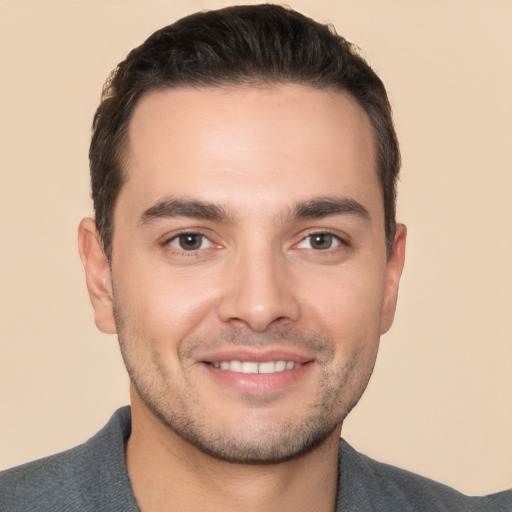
[185, 252]
[340, 242]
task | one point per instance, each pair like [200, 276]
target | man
[245, 251]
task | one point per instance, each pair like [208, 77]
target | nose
[259, 293]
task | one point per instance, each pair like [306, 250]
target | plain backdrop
[440, 400]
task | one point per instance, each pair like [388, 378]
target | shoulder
[47, 483]
[91, 476]
[367, 485]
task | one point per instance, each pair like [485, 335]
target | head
[243, 167]
[241, 45]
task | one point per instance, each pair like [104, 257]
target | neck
[167, 473]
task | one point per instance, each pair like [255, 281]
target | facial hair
[174, 401]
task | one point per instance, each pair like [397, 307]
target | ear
[394, 269]
[97, 275]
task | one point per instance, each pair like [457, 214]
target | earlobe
[98, 275]
[394, 269]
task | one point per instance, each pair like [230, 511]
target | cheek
[346, 307]
[163, 302]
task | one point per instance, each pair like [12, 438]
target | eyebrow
[320, 207]
[169, 208]
[315, 208]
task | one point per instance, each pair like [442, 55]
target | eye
[319, 242]
[190, 242]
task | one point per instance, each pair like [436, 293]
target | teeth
[252, 367]
[280, 366]
[269, 367]
[235, 366]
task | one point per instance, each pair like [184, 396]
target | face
[250, 282]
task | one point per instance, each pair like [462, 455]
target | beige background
[440, 402]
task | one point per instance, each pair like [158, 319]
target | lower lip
[258, 383]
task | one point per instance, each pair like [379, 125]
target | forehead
[251, 147]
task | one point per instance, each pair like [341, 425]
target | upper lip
[254, 354]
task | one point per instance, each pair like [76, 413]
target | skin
[263, 275]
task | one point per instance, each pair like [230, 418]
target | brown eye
[319, 242]
[189, 242]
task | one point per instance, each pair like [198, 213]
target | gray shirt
[93, 477]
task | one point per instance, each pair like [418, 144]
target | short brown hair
[251, 44]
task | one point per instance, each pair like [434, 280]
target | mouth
[256, 370]
[257, 374]
[247, 367]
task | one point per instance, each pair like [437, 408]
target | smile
[254, 367]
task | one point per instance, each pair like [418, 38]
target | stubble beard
[338, 392]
